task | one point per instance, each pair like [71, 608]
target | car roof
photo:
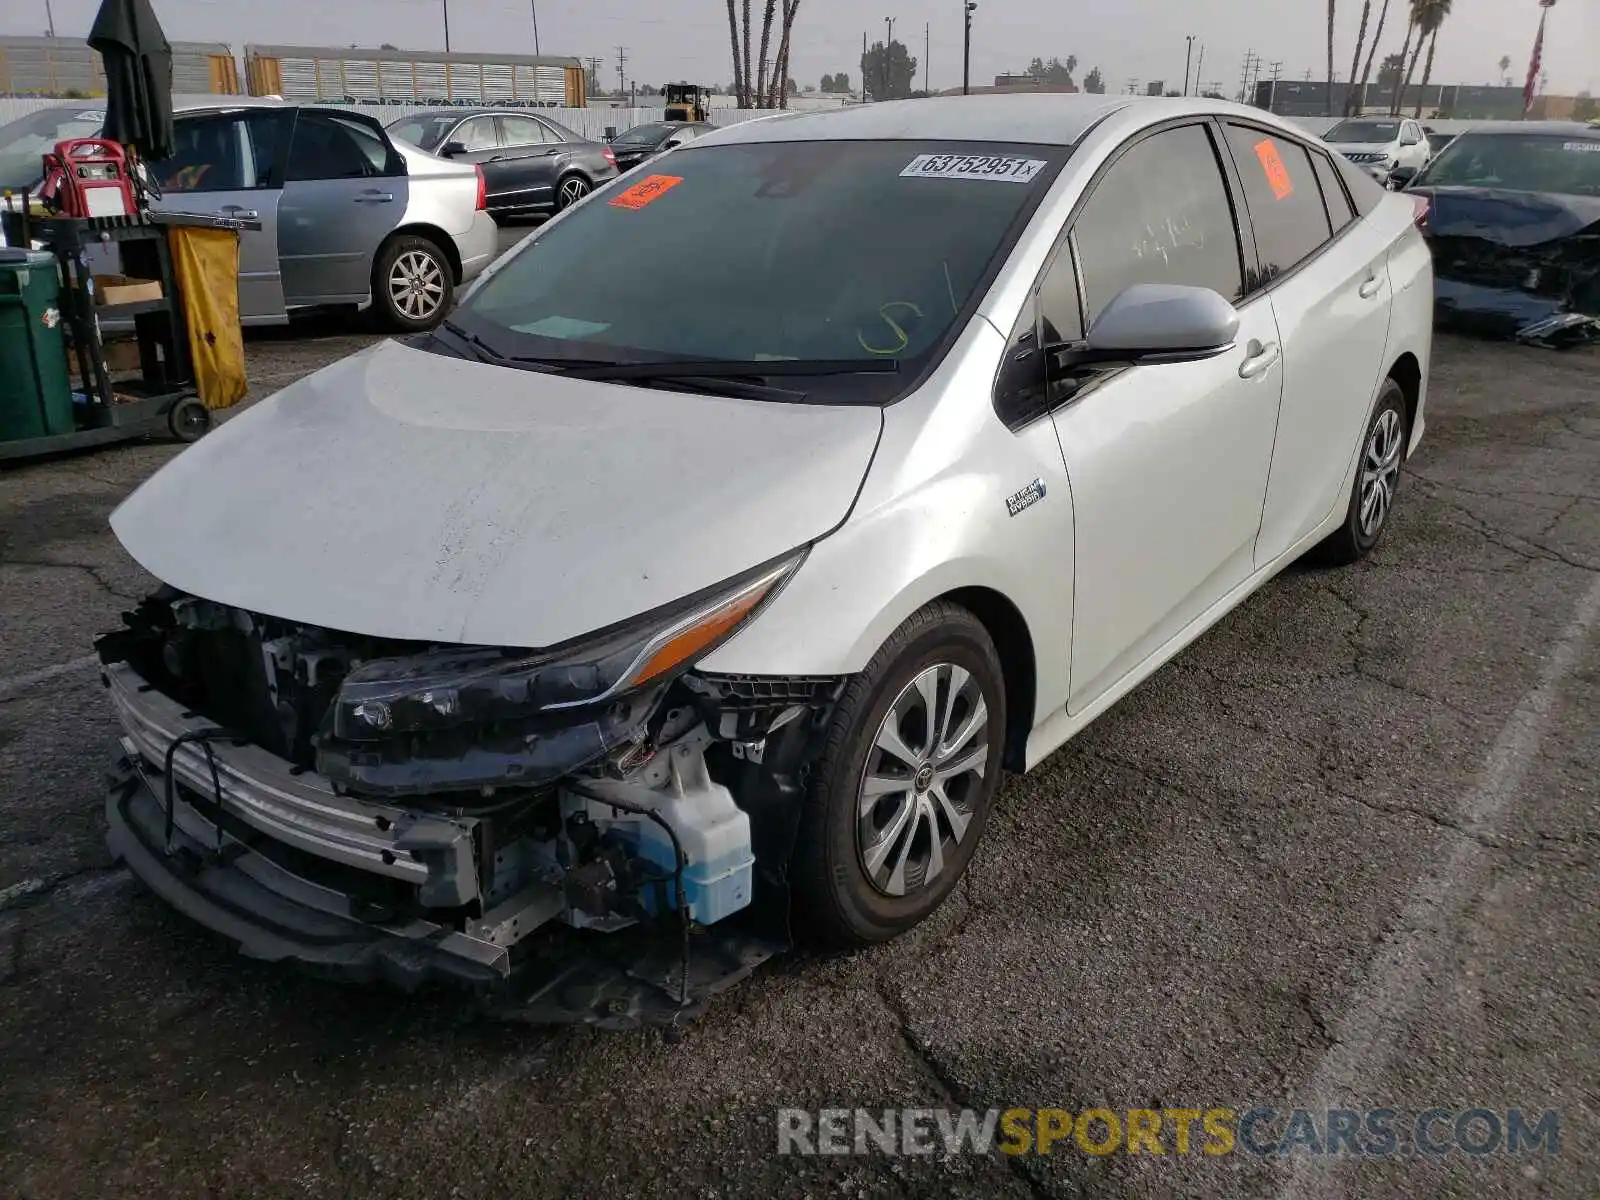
[1054, 119]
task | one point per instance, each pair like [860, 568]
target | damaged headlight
[477, 686]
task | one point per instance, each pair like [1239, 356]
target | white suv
[1378, 147]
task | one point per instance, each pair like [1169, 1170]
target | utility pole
[888, 60]
[50, 20]
[622, 69]
[863, 66]
[535, 5]
[927, 43]
[1188, 53]
[446, 26]
[966, 46]
[1198, 63]
[1272, 92]
[594, 73]
[1251, 62]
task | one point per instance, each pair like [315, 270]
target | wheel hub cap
[924, 775]
[1380, 471]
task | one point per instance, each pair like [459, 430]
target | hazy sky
[1127, 39]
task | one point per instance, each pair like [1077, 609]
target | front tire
[412, 283]
[902, 790]
[1372, 495]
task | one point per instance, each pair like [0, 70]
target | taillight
[482, 204]
[1420, 216]
[610, 155]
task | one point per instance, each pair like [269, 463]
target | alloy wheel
[573, 190]
[923, 775]
[1380, 471]
[417, 285]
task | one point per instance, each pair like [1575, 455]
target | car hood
[1507, 217]
[404, 494]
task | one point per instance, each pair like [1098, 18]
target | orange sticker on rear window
[647, 191]
[1277, 174]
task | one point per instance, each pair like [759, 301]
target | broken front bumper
[265, 865]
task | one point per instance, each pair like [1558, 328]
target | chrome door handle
[1371, 288]
[1258, 358]
[375, 198]
[242, 214]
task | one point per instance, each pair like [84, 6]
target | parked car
[531, 164]
[644, 142]
[347, 216]
[587, 615]
[1379, 146]
[1513, 217]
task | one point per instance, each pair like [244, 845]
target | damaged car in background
[1513, 216]
[588, 653]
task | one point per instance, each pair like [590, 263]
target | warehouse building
[332, 73]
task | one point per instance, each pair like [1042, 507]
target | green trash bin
[35, 396]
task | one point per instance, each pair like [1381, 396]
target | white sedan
[912, 437]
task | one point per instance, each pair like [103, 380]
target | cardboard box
[122, 289]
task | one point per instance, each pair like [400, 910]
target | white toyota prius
[689, 589]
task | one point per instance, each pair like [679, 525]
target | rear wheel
[1377, 479]
[902, 791]
[570, 190]
[412, 283]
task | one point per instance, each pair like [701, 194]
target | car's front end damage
[574, 834]
[1522, 266]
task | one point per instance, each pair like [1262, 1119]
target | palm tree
[1330, 56]
[1355, 59]
[1405, 50]
[1360, 97]
[744, 92]
[738, 67]
[766, 42]
[1427, 71]
[1426, 17]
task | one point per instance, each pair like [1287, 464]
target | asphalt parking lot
[1342, 852]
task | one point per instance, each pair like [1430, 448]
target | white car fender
[932, 518]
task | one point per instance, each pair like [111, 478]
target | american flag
[1534, 63]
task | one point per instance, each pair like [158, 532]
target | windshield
[426, 132]
[1519, 162]
[832, 251]
[24, 142]
[1363, 131]
[643, 135]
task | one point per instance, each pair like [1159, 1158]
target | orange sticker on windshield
[1277, 174]
[646, 191]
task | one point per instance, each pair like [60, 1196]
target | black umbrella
[138, 64]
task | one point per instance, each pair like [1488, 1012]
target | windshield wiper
[723, 368]
[484, 351]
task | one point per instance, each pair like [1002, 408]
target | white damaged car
[632, 622]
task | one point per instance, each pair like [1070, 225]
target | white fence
[587, 122]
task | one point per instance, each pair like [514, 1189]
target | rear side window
[1284, 199]
[1160, 215]
[1340, 210]
[476, 135]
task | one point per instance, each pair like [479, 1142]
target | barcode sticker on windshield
[973, 166]
[1582, 147]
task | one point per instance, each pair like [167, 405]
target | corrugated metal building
[1293, 98]
[332, 73]
[45, 66]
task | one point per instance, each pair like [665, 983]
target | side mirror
[672, 145]
[451, 149]
[1401, 177]
[1163, 322]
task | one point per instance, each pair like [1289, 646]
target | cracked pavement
[1199, 902]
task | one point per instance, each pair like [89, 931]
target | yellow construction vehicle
[687, 102]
